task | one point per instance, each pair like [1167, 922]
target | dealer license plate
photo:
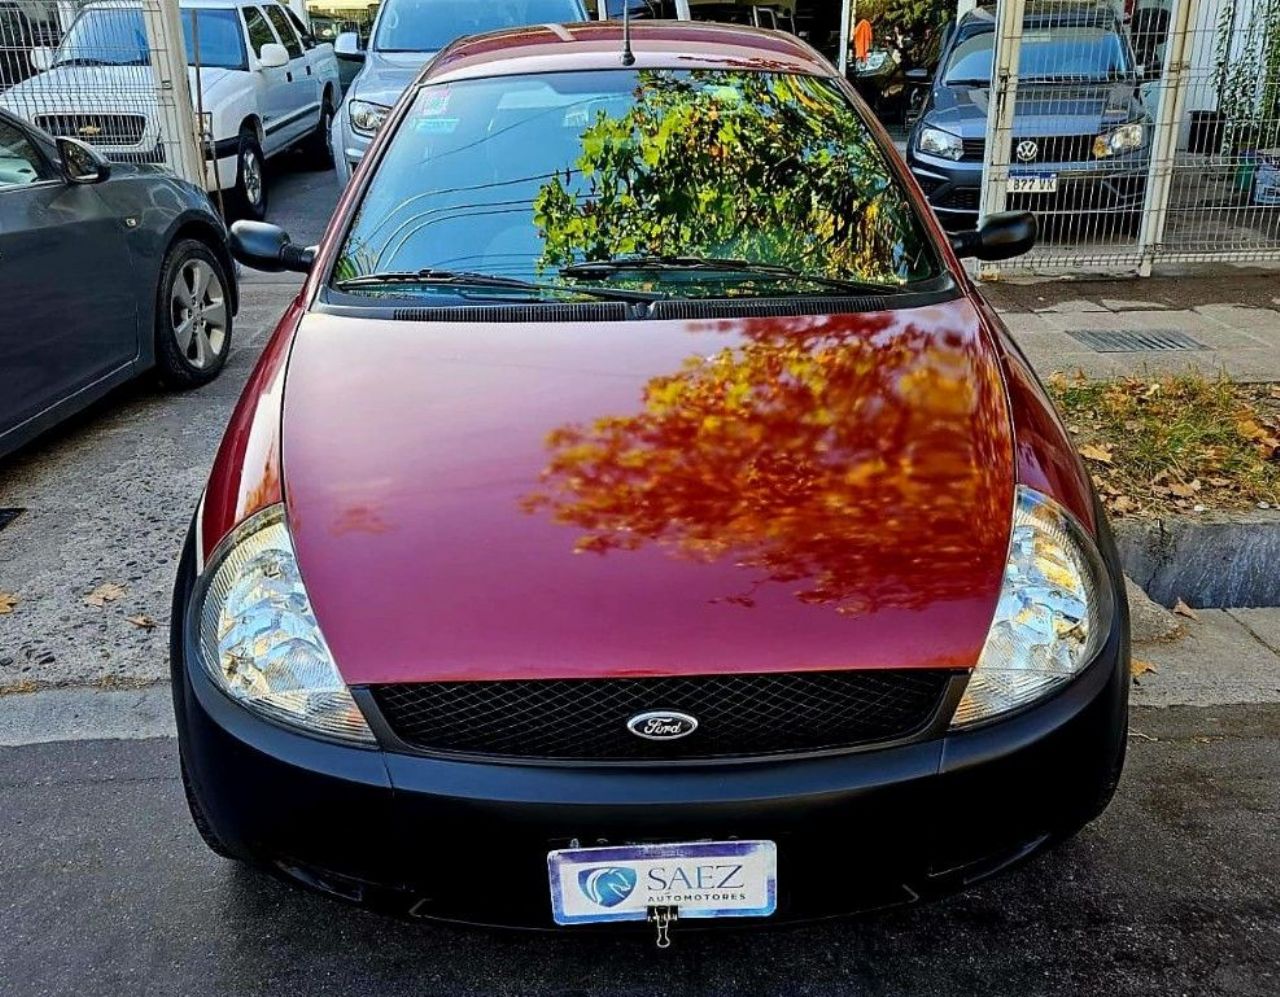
[701, 879]
[1033, 183]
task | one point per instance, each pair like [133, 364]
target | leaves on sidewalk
[1101, 454]
[1138, 667]
[1182, 609]
[103, 594]
[142, 621]
[7, 603]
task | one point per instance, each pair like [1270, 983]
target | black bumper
[468, 841]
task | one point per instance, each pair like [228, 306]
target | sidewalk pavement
[1233, 316]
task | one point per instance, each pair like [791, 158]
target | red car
[639, 514]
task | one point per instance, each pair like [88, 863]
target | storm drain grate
[7, 516]
[1135, 340]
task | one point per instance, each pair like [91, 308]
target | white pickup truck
[263, 83]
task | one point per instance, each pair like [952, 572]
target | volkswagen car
[639, 517]
[1081, 134]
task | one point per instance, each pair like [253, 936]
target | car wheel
[319, 147]
[251, 178]
[193, 316]
[207, 834]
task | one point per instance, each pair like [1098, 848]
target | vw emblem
[1027, 150]
[662, 725]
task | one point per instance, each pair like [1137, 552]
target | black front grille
[96, 129]
[738, 715]
[1049, 149]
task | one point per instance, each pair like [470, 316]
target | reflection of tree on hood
[771, 168]
[861, 463]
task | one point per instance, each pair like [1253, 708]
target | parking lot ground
[106, 890]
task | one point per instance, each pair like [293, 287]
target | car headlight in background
[936, 142]
[366, 117]
[206, 125]
[258, 637]
[1053, 616]
[1126, 138]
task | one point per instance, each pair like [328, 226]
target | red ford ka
[639, 515]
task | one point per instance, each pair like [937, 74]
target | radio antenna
[628, 57]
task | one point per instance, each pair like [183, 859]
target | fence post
[1003, 94]
[1164, 135]
[177, 118]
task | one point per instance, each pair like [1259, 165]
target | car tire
[251, 178]
[193, 316]
[198, 817]
[319, 145]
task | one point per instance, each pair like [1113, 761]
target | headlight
[206, 125]
[1123, 139]
[1053, 616]
[936, 142]
[258, 637]
[366, 117]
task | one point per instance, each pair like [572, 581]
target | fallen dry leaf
[1139, 667]
[1123, 504]
[1183, 490]
[103, 594]
[142, 621]
[1091, 451]
[1182, 609]
[1275, 391]
[7, 601]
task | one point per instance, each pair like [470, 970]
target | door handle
[308, 70]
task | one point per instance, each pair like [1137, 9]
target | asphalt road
[106, 890]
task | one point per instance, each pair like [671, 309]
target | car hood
[502, 501]
[386, 76]
[96, 88]
[1053, 109]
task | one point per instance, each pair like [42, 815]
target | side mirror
[82, 164]
[347, 46]
[918, 76]
[1001, 237]
[260, 246]
[273, 55]
[41, 58]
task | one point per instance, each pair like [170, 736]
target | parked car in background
[263, 83]
[24, 27]
[1081, 135]
[406, 34]
[106, 270]
[611, 531]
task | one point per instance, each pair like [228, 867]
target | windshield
[1070, 52]
[527, 176]
[118, 37]
[430, 25]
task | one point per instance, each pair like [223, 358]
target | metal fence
[1156, 142]
[111, 74]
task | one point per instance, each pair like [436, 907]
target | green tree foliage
[765, 167]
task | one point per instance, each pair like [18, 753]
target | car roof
[223, 4]
[550, 48]
[1046, 13]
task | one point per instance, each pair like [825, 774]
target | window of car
[308, 41]
[117, 36]
[1059, 52]
[288, 37]
[259, 30]
[525, 176]
[430, 25]
[21, 163]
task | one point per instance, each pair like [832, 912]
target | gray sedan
[106, 270]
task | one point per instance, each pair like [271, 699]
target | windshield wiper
[432, 277]
[602, 269]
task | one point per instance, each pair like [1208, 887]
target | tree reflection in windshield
[862, 461]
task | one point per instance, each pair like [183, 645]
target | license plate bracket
[700, 879]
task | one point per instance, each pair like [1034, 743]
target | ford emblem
[662, 725]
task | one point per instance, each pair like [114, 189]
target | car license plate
[1033, 183]
[700, 879]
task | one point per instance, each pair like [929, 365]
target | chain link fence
[112, 74]
[1138, 131]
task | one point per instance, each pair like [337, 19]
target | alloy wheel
[251, 176]
[198, 313]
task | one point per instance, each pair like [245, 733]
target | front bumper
[954, 189]
[465, 840]
[349, 147]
